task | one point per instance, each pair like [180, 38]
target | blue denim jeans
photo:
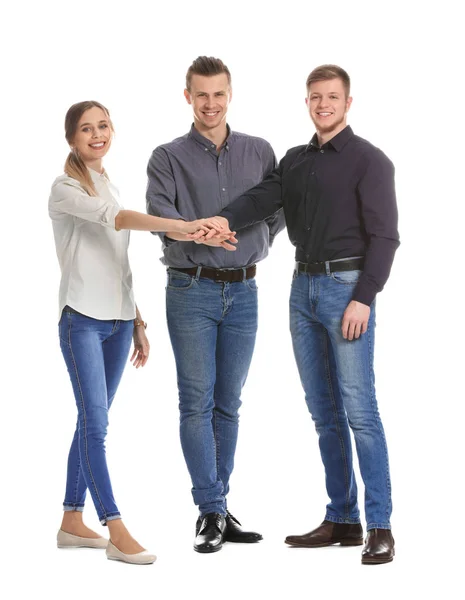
[212, 326]
[339, 383]
[95, 353]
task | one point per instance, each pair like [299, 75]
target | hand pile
[212, 232]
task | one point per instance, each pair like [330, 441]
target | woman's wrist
[140, 323]
[181, 226]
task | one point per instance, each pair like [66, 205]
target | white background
[407, 85]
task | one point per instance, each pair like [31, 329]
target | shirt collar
[208, 144]
[337, 142]
[95, 176]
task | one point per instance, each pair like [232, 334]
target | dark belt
[229, 275]
[351, 264]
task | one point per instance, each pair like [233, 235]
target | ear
[187, 96]
[306, 100]
[348, 103]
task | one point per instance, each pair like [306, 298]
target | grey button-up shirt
[189, 179]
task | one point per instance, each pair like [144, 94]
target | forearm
[178, 237]
[256, 205]
[138, 315]
[131, 219]
[379, 217]
[378, 262]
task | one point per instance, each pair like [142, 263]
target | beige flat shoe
[69, 540]
[141, 558]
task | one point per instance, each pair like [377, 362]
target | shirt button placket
[222, 181]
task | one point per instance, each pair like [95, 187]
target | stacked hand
[215, 232]
[202, 227]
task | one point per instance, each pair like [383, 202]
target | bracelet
[138, 323]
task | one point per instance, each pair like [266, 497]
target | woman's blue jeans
[95, 353]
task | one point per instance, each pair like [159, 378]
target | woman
[98, 318]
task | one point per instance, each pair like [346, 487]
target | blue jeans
[212, 326]
[339, 383]
[95, 353]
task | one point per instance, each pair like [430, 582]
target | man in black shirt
[339, 202]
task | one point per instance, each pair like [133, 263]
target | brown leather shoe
[329, 533]
[379, 547]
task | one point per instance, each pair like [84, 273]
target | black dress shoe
[210, 535]
[379, 547]
[327, 534]
[234, 532]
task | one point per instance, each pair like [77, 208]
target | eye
[85, 129]
[103, 126]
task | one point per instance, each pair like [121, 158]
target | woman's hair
[74, 165]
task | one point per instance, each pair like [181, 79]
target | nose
[209, 103]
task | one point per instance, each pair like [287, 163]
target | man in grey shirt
[211, 295]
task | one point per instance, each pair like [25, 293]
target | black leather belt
[351, 264]
[226, 275]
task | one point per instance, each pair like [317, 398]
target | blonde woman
[98, 318]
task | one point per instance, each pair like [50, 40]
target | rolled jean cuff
[341, 520]
[69, 507]
[110, 517]
[378, 526]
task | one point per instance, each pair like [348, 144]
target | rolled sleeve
[68, 198]
[161, 187]
[161, 191]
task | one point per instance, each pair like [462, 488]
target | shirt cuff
[227, 215]
[364, 294]
[108, 217]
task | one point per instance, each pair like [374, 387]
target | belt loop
[197, 275]
[327, 267]
[244, 274]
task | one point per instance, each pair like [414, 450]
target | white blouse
[96, 278]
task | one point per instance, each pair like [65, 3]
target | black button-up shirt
[339, 202]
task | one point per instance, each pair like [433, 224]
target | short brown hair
[325, 72]
[207, 66]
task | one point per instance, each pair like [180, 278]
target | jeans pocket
[346, 277]
[179, 281]
[251, 284]
[63, 328]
